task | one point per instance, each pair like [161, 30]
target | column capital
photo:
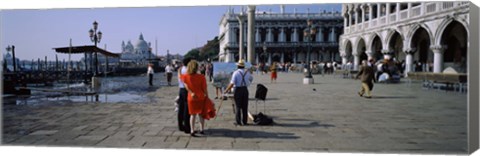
[438, 48]
[385, 51]
[409, 51]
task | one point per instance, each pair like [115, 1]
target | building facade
[432, 33]
[279, 36]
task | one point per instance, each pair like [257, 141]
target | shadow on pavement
[393, 97]
[301, 123]
[248, 134]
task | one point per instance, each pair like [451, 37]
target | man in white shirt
[241, 79]
[183, 116]
[169, 72]
[150, 74]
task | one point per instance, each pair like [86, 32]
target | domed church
[139, 53]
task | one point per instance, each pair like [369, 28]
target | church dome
[141, 43]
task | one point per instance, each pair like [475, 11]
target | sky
[34, 32]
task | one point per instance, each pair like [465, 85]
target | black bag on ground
[261, 119]
[261, 92]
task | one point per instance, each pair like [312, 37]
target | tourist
[202, 69]
[198, 101]
[240, 81]
[210, 71]
[273, 75]
[150, 74]
[367, 77]
[169, 72]
[183, 116]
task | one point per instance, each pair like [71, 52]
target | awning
[85, 49]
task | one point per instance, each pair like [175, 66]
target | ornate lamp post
[95, 37]
[12, 49]
[308, 34]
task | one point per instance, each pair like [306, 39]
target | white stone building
[279, 36]
[427, 32]
[140, 53]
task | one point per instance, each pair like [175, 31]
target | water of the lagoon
[128, 89]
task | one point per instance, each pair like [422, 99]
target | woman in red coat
[196, 86]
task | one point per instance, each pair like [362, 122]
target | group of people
[194, 101]
[168, 72]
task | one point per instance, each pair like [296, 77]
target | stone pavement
[327, 116]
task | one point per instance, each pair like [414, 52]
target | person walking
[150, 74]
[169, 72]
[241, 79]
[273, 70]
[366, 75]
[183, 116]
[196, 86]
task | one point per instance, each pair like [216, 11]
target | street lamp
[308, 34]
[95, 37]
[12, 49]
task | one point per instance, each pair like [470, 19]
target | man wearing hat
[240, 81]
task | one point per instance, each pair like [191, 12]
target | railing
[403, 14]
[415, 11]
[431, 7]
[424, 9]
[447, 5]
[374, 22]
[383, 20]
[393, 18]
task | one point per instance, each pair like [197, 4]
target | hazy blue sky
[35, 32]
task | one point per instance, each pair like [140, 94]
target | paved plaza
[327, 116]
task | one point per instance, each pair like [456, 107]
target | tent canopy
[85, 49]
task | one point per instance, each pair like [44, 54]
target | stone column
[370, 14]
[349, 18]
[356, 61]
[256, 58]
[408, 61]
[282, 35]
[398, 11]
[250, 35]
[379, 7]
[345, 22]
[269, 58]
[319, 35]
[269, 35]
[363, 13]
[356, 15]
[344, 57]
[294, 57]
[295, 35]
[334, 35]
[282, 58]
[257, 35]
[240, 19]
[409, 7]
[387, 13]
[437, 58]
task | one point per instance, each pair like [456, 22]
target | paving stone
[44, 132]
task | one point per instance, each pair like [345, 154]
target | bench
[449, 79]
